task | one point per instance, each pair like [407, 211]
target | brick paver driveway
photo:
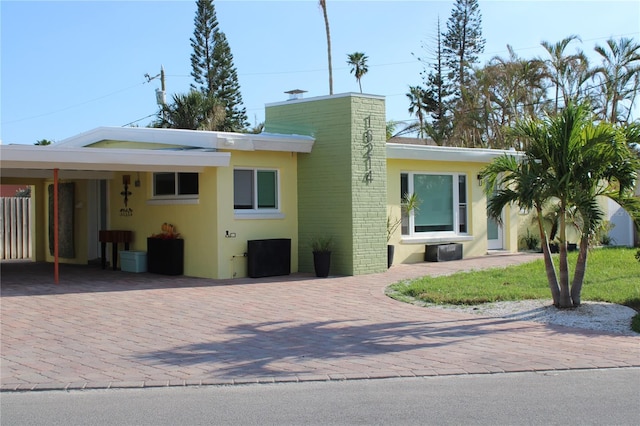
[103, 328]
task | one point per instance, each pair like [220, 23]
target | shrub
[530, 241]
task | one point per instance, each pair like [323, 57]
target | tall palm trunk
[581, 267]
[323, 5]
[565, 294]
[548, 262]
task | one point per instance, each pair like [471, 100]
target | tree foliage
[359, 68]
[435, 94]
[212, 67]
[460, 103]
[463, 42]
[569, 161]
[618, 78]
[193, 111]
[203, 67]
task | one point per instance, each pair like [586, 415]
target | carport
[75, 159]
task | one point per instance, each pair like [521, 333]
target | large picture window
[442, 203]
[175, 184]
[255, 189]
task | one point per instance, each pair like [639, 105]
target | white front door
[494, 234]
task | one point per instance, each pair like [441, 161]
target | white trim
[258, 211]
[48, 174]
[397, 151]
[437, 236]
[439, 239]
[192, 138]
[257, 214]
[174, 200]
[107, 159]
[321, 98]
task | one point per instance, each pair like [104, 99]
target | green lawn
[613, 275]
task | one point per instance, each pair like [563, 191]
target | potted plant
[321, 247]
[165, 251]
[409, 204]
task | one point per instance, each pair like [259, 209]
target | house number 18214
[367, 141]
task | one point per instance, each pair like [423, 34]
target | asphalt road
[598, 397]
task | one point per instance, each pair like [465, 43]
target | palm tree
[568, 72]
[194, 111]
[323, 6]
[516, 88]
[418, 106]
[521, 183]
[618, 77]
[358, 62]
[571, 161]
[608, 169]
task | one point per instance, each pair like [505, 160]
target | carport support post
[56, 272]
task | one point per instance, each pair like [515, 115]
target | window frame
[409, 232]
[176, 187]
[255, 211]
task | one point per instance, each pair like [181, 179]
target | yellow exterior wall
[196, 223]
[230, 258]
[208, 253]
[413, 252]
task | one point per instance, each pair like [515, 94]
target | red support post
[56, 270]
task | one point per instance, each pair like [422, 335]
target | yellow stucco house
[321, 167]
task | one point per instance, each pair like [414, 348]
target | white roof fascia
[265, 142]
[320, 98]
[107, 159]
[450, 154]
[192, 138]
[62, 174]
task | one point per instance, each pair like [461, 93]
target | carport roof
[38, 161]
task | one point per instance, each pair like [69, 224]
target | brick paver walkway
[102, 328]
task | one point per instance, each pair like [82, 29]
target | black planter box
[267, 258]
[443, 252]
[322, 263]
[165, 256]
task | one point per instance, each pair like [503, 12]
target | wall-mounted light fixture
[126, 181]
[479, 177]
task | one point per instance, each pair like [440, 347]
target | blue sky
[68, 67]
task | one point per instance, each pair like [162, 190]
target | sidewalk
[107, 329]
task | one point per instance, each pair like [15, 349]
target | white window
[442, 206]
[171, 185]
[255, 189]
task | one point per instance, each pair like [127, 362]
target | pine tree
[227, 88]
[463, 42]
[437, 95]
[203, 43]
[212, 66]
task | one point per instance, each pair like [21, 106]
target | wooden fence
[15, 228]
